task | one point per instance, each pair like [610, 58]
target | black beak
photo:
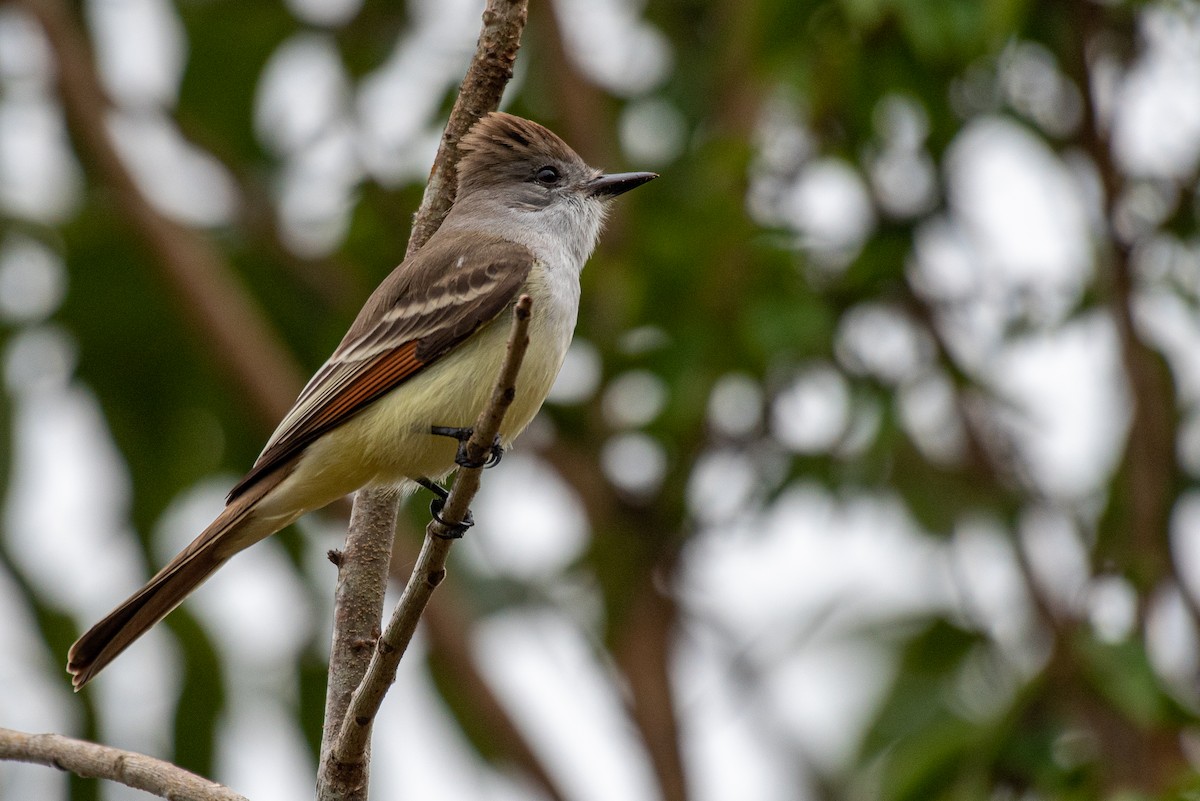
[618, 184]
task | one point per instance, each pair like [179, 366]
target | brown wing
[426, 307]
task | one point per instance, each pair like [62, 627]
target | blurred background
[871, 474]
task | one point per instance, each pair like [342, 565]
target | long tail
[233, 530]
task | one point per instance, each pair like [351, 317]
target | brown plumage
[104, 641]
[422, 352]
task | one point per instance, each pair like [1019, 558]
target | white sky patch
[812, 556]
[140, 49]
[721, 484]
[302, 91]
[902, 173]
[1171, 640]
[579, 377]
[725, 720]
[260, 752]
[77, 548]
[943, 265]
[1033, 85]
[826, 693]
[534, 525]
[551, 683]
[1112, 608]
[1071, 409]
[181, 180]
[39, 177]
[828, 204]
[811, 414]
[634, 398]
[329, 13]
[614, 46]
[1022, 208]
[33, 279]
[1058, 557]
[1171, 324]
[653, 132]
[881, 340]
[1156, 129]
[24, 53]
[419, 751]
[394, 102]
[1015, 251]
[1185, 540]
[32, 698]
[300, 112]
[929, 412]
[991, 590]
[317, 192]
[634, 462]
[735, 407]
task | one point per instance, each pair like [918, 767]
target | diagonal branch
[220, 309]
[344, 769]
[362, 598]
[93, 761]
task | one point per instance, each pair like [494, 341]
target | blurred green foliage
[724, 291]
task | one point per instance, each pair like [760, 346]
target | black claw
[495, 454]
[434, 487]
[454, 531]
[462, 435]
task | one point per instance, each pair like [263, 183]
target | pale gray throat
[561, 236]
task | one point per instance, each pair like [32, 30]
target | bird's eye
[547, 176]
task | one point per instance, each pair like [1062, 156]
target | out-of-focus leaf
[1122, 674]
[229, 43]
[202, 700]
[925, 749]
[157, 388]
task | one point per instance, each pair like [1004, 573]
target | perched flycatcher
[421, 358]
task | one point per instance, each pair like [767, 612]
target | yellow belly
[389, 442]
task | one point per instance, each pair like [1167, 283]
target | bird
[418, 363]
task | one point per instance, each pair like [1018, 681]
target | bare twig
[483, 85]
[94, 761]
[480, 92]
[356, 625]
[348, 756]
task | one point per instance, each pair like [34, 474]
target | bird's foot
[462, 435]
[454, 531]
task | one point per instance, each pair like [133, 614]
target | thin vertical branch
[373, 528]
[480, 92]
[344, 768]
[356, 625]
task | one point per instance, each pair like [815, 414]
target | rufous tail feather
[224, 537]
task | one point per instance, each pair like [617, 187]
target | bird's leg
[462, 435]
[456, 530]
